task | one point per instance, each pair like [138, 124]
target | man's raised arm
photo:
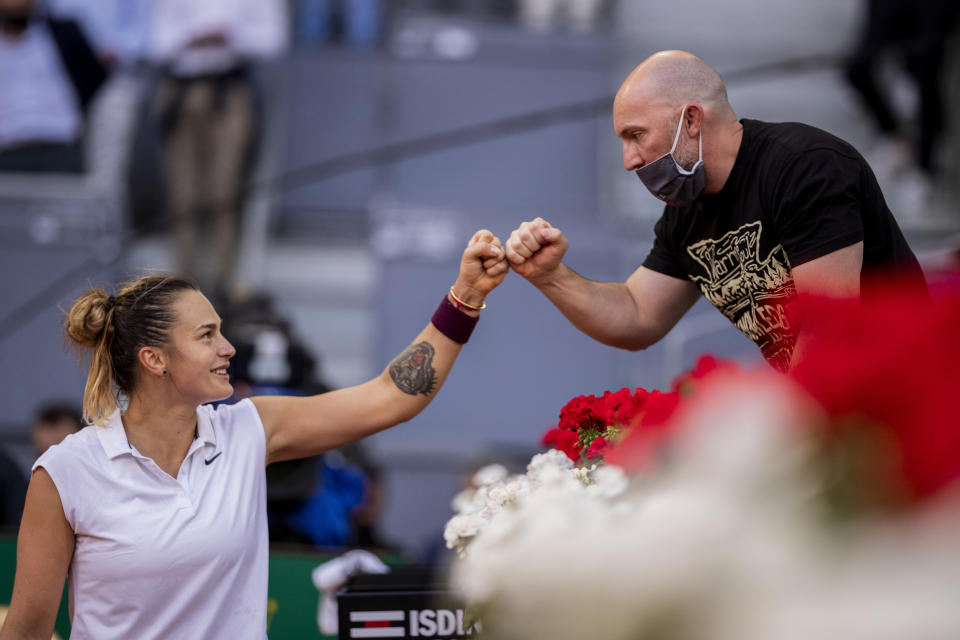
[629, 315]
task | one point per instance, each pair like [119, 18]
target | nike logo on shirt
[217, 455]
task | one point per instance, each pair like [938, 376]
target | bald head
[674, 78]
[649, 119]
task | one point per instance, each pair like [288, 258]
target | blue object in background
[360, 20]
[325, 515]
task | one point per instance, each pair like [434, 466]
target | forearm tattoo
[412, 371]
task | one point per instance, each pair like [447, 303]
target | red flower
[612, 409]
[648, 433]
[598, 448]
[644, 417]
[891, 363]
[659, 408]
[706, 365]
[563, 440]
[580, 413]
[622, 407]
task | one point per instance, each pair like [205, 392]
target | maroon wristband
[452, 322]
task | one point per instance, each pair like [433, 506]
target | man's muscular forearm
[605, 311]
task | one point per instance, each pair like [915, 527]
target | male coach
[756, 215]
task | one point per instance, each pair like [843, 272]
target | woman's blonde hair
[115, 328]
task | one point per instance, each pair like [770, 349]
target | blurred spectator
[271, 361]
[323, 517]
[49, 74]
[365, 516]
[13, 491]
[205, 106]
[475, 9]
[331, 500]
[547, 15]
[52, 423]
[917, 33]
[116, 28]
[358, 22]
[344, 506]
[270, 358]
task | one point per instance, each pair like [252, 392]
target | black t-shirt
[795, 193]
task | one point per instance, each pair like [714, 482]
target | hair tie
[111, 301]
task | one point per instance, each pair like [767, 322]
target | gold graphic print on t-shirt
[753, 293]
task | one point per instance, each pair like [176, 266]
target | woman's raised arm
[300, 427]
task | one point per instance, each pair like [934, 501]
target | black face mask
[668, 181]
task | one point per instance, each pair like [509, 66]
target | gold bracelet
[464, 305]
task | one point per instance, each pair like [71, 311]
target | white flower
[499, 495]
[502, 494]
[583, 474]
[721, 541]
[460, 528]
[551, 477]
[490, 474]
[517, 488]
[550, 459]
[608, 482]
[463, 502]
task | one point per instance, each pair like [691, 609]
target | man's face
[643, 129]
[647, 130]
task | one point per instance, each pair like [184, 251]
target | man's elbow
[633, 345]
[632, 342]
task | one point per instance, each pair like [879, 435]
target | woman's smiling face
[198, 354]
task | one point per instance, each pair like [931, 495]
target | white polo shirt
[158, 557]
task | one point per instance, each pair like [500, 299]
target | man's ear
[693, 118]
[153, 360]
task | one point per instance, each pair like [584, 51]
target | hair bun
[87, 319]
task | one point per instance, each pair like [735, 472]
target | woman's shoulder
[82, 447]
[226, 415]
[230, 421]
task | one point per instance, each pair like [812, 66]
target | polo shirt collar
[114, 441]
[112, 437]
[205, 431]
